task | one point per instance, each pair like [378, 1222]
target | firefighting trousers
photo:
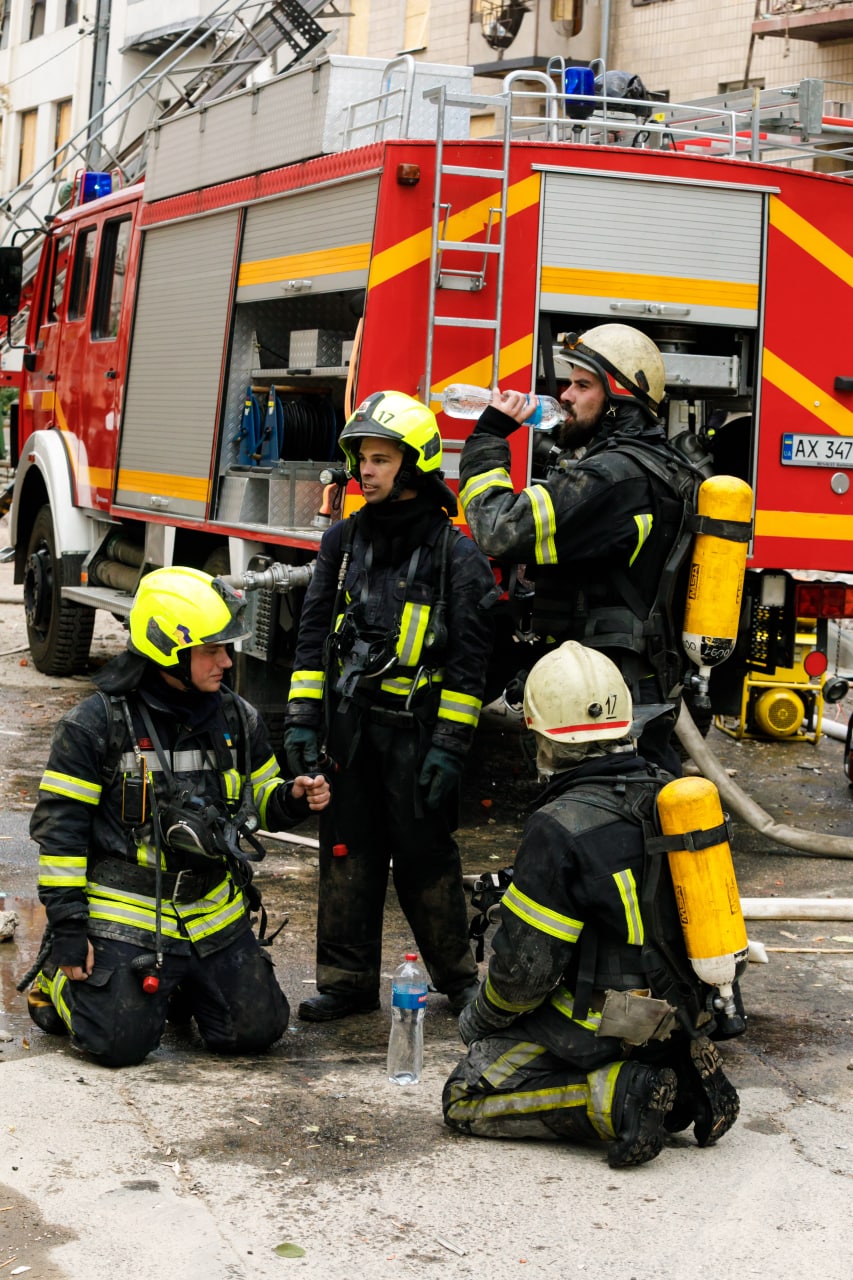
[232, 994]
[511, 1088]
[377, 818]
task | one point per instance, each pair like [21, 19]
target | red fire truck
[196, 341]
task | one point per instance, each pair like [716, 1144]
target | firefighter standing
[389, 673]
[590, 1023]
[596, 534]
[150, 786]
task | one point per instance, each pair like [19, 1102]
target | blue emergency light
[579, 80]
[95, 185]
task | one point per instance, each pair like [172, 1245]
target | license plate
[816, 451]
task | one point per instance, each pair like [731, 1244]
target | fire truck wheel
[59, 631]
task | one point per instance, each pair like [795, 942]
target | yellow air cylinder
[705, 885]
[715, 585]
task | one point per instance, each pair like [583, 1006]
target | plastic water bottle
[461, 401]
[408, 1006]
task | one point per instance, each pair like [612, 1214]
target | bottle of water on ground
[461, 401]
[408, 1006]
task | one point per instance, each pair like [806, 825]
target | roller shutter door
[620, 247]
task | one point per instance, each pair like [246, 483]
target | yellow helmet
[575, 694]
[628, 363]
[178, 608]
[391, 415]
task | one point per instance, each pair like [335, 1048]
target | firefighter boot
[41, 1008]
[706, 1098]
[327, 1006]
[646, 1095]
[460, 1000]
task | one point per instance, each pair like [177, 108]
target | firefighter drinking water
[144, 821]
[592, 1022]
[388, 679]
[598, 532]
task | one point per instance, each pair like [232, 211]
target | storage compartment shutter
[172, 392]
[623, 247]
[311, 242]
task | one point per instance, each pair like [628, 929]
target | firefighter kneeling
[145, 822]
[591, 1022]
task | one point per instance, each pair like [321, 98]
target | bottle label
[408, 999]
[535, 419]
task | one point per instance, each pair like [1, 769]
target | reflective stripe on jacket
[84, 816]
[402, 609]
[579, 867]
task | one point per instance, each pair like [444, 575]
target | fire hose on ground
[812, 844]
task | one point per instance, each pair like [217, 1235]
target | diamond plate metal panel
[243, 133]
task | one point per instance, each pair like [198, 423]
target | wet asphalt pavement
[311, 1144]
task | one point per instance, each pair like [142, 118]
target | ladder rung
[467, 171]
[469, 246]
[458, 322]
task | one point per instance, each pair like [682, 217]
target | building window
[738, 86]
[570, 13]
[70, 13]
[27, 146]
[416, 25]
[37, 8]
[61, 134]
[5, 14]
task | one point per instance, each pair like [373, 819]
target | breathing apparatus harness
[188, 826]
[665, 967]
[358, 651]
[661, 637]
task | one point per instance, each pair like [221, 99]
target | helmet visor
[236, 628]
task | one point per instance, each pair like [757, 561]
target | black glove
[470, 1027]
[440, 775]
[492, 422]
[302, 745]
[70, 944]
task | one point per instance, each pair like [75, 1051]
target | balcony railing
[814, 20]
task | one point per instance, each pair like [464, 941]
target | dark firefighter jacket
[575, 902]
[97, 856]
[394, 599]
[595, 536]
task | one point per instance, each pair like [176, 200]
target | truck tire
[59, 631]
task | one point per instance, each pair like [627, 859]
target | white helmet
[627, 362]
[577, 695]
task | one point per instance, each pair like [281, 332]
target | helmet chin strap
[183, 671]
[407, 477]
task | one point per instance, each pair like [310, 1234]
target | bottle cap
[339, 850]
[411, 955]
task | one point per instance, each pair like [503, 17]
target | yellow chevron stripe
[98, 477]
[803, 525]
[196, 490]
[325, 262]
[461, 226]
[622, 284]
[808, 396]
[814, 242]
[515, 356]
